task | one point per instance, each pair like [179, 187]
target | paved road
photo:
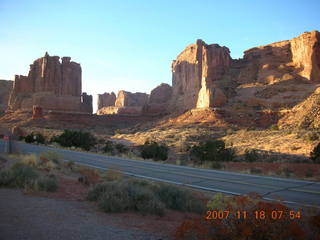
[295, 192]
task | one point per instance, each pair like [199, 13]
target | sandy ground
[31, 217]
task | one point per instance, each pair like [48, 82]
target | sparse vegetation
[71, 138]
[154, 150]
[144, 197]
[23, 174]
[47, 184]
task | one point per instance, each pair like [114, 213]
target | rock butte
[50, 85]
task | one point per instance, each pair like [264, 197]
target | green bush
[144, 200]
[315, 154]
[212, 150]
[69, 138]
[143, 197]
[251, 155]
[274, 127]
[95, 193]
[23, 176]
[121, 148]
[179, 199]
[152, 150]
[109, 147]
[47, 184]
[35, 138]
[6, 178]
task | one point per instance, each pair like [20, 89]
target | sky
[129, 45]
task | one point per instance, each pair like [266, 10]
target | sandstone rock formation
[273, 76]
[37, 112]
[106, 100]
[5, 89]
[126, 103]
[50, 84]
[159, 99]
[194, 73]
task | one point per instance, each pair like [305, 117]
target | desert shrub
[29, 160]
[217, 165]
[51, 156]
[69, 164]
[255, 170]
[154, 150]
[23, 175]
[121, 148]
[144, 200]
[274, 127]
[109, 147]
[212, 150]
[218, 201]
[126, 195]
[315, 154]
[179, 199]
[237, 228]
[311, 136]
[113, 175]
[144, 197]
[35, 138]
[47, 184]
[251, 155]
[96, 192]
[6, 178]
[115, 201]
[69, 138]
[309, 173]
[91, 176]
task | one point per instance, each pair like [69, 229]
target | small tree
[212, 150]
[154, 150]
[315, 154]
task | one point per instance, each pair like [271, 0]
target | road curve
[290, 191]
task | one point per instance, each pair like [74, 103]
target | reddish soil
[298, 170]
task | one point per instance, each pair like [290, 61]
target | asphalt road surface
[290, 191]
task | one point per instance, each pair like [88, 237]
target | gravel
[28, 217]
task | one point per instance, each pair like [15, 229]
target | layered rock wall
[193, 75]
[106, 100]
[51, 85]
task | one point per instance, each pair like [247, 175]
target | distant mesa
[127, 103]
[50, 85]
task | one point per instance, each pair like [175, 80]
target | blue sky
[130, 44]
